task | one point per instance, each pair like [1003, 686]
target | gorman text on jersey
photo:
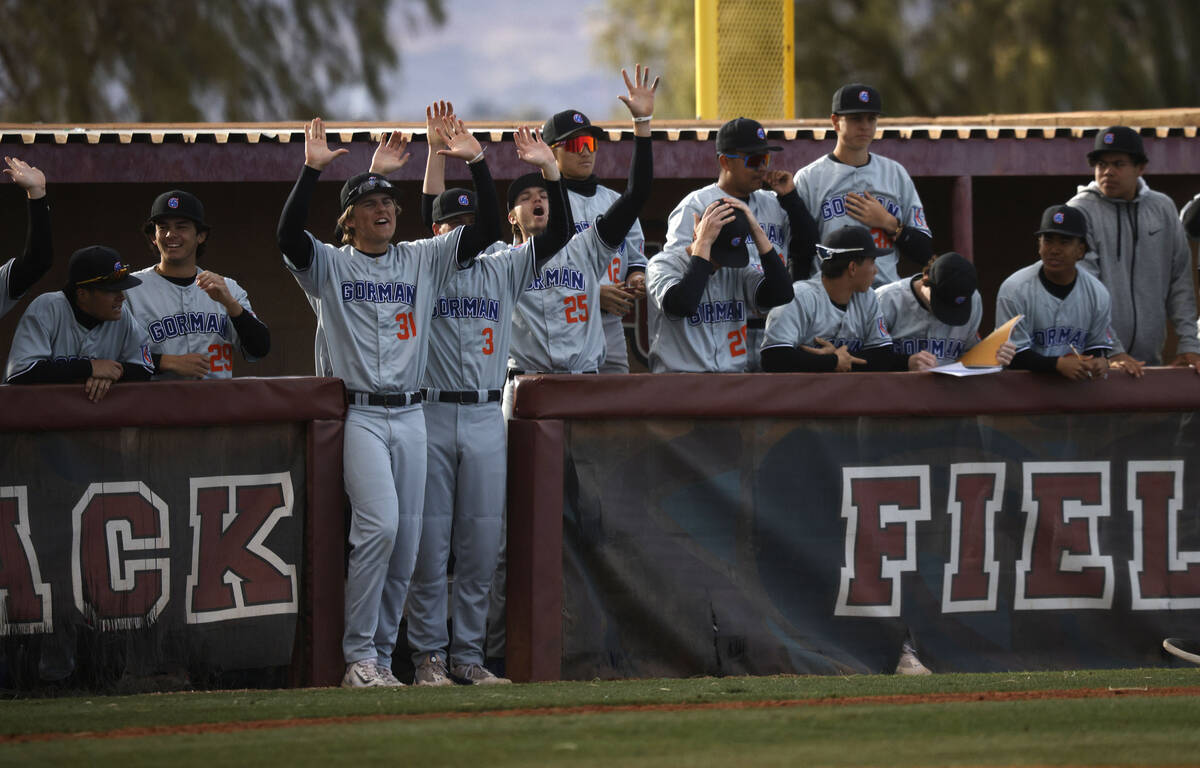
[379, 293]
[718, 312]
[190, 322]
[468, 307]
[558, 277]
[1053, 337]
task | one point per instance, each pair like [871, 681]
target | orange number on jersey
[576, 308]
[614, 270]
[220, 357]
[737, 341]
[488, 348]
[408, 325]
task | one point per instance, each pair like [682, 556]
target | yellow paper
[983, 354]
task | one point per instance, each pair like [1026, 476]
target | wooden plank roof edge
[1181, 117]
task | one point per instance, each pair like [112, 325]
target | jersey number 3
[575, 308]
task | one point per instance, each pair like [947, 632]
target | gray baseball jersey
[824, 183]
[374, 321]
[774, 221]
[631, 252]
[181, 320]
[49, 331]
[472, 321]
[6, 303]
[557, 326]
[713, 338]
[811, 315]
[914, 328]
[1051, 325]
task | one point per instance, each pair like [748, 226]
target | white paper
[958, 369]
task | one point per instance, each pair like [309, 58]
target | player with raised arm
[574, 141]
[81, 333]
[834, 323]
[852, 186]
[18, 274]
[1067, 316]
[375, 301]
[463, 384]
[744, 158]
[194, 317]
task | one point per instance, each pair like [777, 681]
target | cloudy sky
[500, 61]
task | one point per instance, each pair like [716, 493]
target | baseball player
[744, 158]
[376, 298]
[1140, 253]
[1065, 328]
[936, 311]
[834, 323]
[193, 317]
[574, 140]
[18, 274]
[557, 326]
[462, 388]
[853, 187]
[700, 297]
[80, 332]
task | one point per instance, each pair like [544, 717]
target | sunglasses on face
[370, 185]
[578, 144]
[754, 161]
[114, 276]
[826, 253]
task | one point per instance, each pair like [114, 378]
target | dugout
[984, 181]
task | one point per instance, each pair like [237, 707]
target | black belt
[398, 400]
[465, 397]
[514, 373]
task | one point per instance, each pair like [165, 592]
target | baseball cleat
[909, 664]
[476, 674]
[389, 680]
[362, 674]
[432, 672]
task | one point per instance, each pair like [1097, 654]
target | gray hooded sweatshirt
[1139, 251]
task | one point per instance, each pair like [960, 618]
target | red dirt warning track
[896, 700]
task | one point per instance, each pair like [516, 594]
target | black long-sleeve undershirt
[294, 243]
[776, 287]
[793, 359]
[35, 260]
[1028, 360]
[614, 225]
[804, 235]
[681, 299]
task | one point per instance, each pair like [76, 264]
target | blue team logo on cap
[761, 133]
[735, 242]
[1108, 138]
[172, 202]
[959, 299]
[1058, 218]
[864, 96]
[577, 118]
[464, 200]
[117, 266]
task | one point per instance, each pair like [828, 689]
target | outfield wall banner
[180, 547]
[764, 546]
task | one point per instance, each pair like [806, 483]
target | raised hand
[25, 176]
[435, 113]
[716, 215]
[216, 288]
[317, 154]
[780, 182]
[532, 149]
[391, 154]
[641, 96]
[459, 141]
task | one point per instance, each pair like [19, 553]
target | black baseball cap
[850, 243]
[856, 97]
[522, 183]
[743, 136]
[453, 202]
[729, 249]
[357, 187]
[952, 283]
[1118, 138]
[98, 266]
[178, 203]
[566, 124]
[1063, 220]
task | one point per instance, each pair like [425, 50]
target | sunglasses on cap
[754, 161]
[826, 253]
[370, 185]
[578, 143]
[115, 276]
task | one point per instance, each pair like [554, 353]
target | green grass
[1112, 730]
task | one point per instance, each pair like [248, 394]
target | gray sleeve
[1008, 307]
[33, 339]
[1181, 297]
[1100, 335]
[786, 326]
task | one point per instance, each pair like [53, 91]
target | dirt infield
[829, 701]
